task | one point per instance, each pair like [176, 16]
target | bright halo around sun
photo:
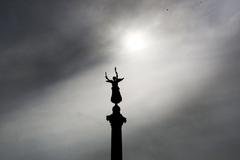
[135, 41]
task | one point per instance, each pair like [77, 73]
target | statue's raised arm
[116, 72]
[107, 79]
[120, 79]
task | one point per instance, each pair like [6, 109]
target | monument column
[116, 120]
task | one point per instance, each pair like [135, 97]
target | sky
[179, 60]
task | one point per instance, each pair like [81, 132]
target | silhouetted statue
[116, 95]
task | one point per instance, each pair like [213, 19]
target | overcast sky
[181, 92]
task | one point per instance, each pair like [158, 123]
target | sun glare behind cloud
[135, 41]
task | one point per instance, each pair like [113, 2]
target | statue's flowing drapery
[116, 95]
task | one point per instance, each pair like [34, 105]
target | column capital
[116, 117]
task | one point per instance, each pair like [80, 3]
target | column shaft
[116, 146]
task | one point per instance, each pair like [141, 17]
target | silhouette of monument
[116, 119]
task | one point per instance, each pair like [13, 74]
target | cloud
[181, 98]
[36, 53]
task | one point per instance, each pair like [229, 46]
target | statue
[116, 95]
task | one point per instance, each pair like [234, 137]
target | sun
[135, 41]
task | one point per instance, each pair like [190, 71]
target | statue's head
[114, 78]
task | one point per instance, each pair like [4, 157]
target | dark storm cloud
[36, 52]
